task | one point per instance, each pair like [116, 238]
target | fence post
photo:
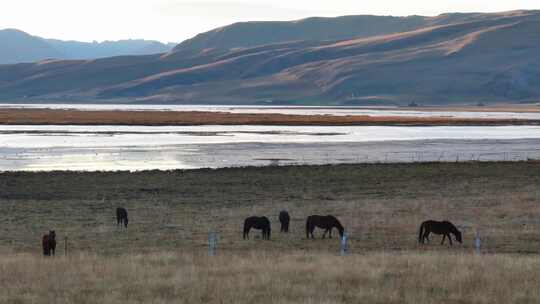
[211, 244]
[344, 248]
[477, 241]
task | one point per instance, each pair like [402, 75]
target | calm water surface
[143, 147]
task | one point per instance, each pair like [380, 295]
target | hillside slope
[250, 34]
[490, 58]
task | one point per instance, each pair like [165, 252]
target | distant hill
[18, 47]
[454, 59]
[86, 50]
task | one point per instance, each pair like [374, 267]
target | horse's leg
[450, 240]
[444, 237]
[324, 234]
[330, 232]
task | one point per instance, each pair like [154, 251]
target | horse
[121, 217]
[445, 228]
[284, 220]
[255, 222]
[48, 242]
[325, 222]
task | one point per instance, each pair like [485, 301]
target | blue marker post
[212, 243]
[344, 244]
[477, 242]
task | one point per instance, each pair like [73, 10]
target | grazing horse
[325, 222]
[121, 217]
[255, 222]
[445, 228]
[284, 220]
[48, 243]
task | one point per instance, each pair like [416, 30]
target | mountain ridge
[17, 46]
[482, 58]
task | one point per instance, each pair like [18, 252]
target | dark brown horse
[121, 217]
[284, 219]
[445, 228]
[325, 222]
[260, 223]
[48, 242]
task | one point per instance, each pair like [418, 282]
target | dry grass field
[167, 118]
[260, 277]
[162, 258]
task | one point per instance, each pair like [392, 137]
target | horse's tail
[421, 233]
[245, 228]
[269, 229]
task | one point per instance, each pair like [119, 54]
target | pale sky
[176, 20]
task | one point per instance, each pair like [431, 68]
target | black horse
[121, 217]
[445, 228]
[48, 242]
[255, 222]
[284, 219]
[325, 222]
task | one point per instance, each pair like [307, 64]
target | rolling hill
[250, 34]
[451, 59]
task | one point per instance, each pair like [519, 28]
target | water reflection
[143, 148]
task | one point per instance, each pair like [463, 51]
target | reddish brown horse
[48, 243]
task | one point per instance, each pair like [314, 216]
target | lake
[24, 148]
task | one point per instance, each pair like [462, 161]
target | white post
[477, 242]
[211, 244]
[344, 245]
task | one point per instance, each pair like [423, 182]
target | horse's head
[52, 234]
[457, 233]
[341, 230]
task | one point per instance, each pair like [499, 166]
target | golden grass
[75, 117]
[259, 277]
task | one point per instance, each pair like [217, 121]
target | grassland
[259, 277]
[381, 207]
[157, 118]
[162, 258]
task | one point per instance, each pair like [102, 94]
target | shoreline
[264, 168]
[15, 116]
